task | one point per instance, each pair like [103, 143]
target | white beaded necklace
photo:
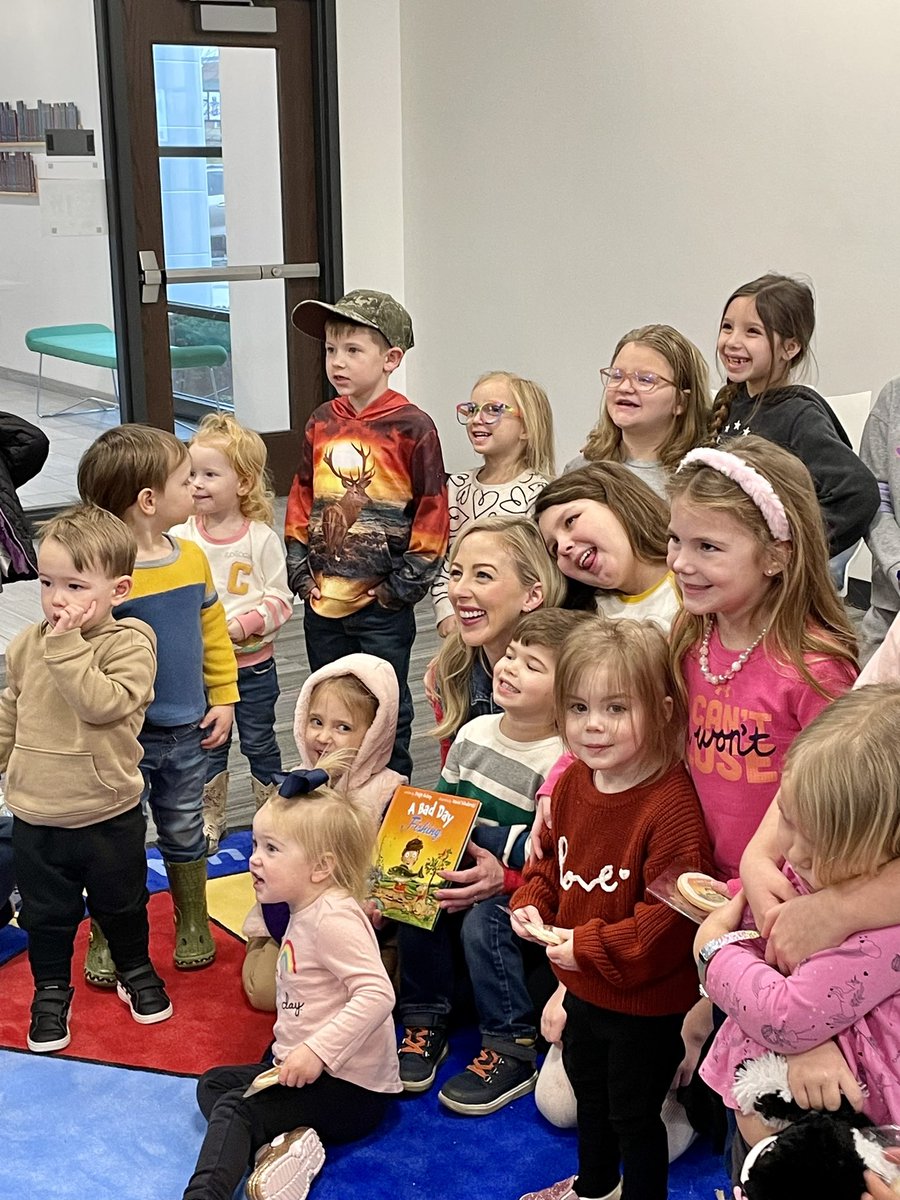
[738, 663]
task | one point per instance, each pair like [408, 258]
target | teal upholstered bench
[96, 346]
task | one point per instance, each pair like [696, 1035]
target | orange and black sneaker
[487, 1083]
[421, 1052]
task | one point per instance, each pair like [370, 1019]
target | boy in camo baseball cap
[367, 522]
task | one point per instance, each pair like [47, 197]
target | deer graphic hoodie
[368, 506]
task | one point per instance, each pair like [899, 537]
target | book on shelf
[422, 833]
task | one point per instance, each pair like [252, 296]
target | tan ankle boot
[261, 791]
[215, 799]
[194, 945]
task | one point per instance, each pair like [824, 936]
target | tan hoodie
[369, 779]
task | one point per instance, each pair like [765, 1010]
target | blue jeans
[254, 715]
[372, 630]
[174, 771]
[494, 960]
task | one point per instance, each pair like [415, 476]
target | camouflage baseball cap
[378, 310]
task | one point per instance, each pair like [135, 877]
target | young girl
[498, 571]
[510, 424]
[350, 706]
[606, 528]
[839, 819]
[764, 338]
[655, 405]
[763, 642]
[334, 1037]
[622, 814]
[232, 523]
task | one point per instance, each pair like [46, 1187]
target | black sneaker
[488, 1083]
[49, 1028]
[421, 1052]
[143, 991]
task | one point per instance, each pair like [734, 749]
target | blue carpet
[80, 1131]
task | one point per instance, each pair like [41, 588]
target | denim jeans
[254, 715]
[494, 960]
[372, 630]
[174, 771]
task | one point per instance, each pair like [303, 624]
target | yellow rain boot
[215, 799]
[194, 945]
[99, 968]
[261, 791]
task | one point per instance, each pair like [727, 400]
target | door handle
[153, 276]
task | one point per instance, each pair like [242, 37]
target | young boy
[500, 759]
[143, 475]
[78, 683]
[367, 524]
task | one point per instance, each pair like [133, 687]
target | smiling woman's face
[487, 594]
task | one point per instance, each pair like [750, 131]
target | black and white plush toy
[809, 1153]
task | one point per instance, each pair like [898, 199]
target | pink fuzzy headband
[748, 480]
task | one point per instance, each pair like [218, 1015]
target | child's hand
[877, 1188]
[314, 593]
[519, 916]
[541, 821]
[563, 955]
[802, 927]
[447, 626]
[301, 1066]
[553, 1018]
[235, 630]
[72, 617]
[695, 1030]
[374, 913]
[218, 721]
[476, 883]
[819, 1077]
[723, 920]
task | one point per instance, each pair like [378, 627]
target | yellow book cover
[422, 833]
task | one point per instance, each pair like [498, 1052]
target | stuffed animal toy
[809, 1153]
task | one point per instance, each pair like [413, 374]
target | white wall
[47, 51]
[573, 169]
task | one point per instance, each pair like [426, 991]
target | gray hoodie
[880, 451]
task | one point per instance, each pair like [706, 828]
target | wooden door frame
[153, 405]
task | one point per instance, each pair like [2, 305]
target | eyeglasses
[490, 414]
[643, 381]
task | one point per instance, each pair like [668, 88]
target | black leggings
[338, 1111]
[620, 1067]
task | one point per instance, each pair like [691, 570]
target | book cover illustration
[422, 833]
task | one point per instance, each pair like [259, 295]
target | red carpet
[212, 1023]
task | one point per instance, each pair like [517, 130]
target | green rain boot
[99, 968]
[194, 945]
[261, 791]
[215, 799]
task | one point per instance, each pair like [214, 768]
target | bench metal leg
[75, 409]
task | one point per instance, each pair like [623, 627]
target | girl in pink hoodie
[349, 705]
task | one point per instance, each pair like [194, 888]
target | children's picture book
[422, 833]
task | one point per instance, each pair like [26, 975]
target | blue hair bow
[300, 781]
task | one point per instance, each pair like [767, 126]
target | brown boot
[194, 945]
[261, 791]
[215, 799]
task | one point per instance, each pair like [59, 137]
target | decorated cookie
[698, 890]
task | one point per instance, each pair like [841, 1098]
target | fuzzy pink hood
[369, 777]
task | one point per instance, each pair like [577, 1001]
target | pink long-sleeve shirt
[849, 993]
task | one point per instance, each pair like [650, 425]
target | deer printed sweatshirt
[368, 506]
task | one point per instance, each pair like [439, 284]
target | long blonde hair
[522, 541]
[538, 451]
[690, 376]
[841, 783]
[804, 613]
[330, 825]
[246, 451]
